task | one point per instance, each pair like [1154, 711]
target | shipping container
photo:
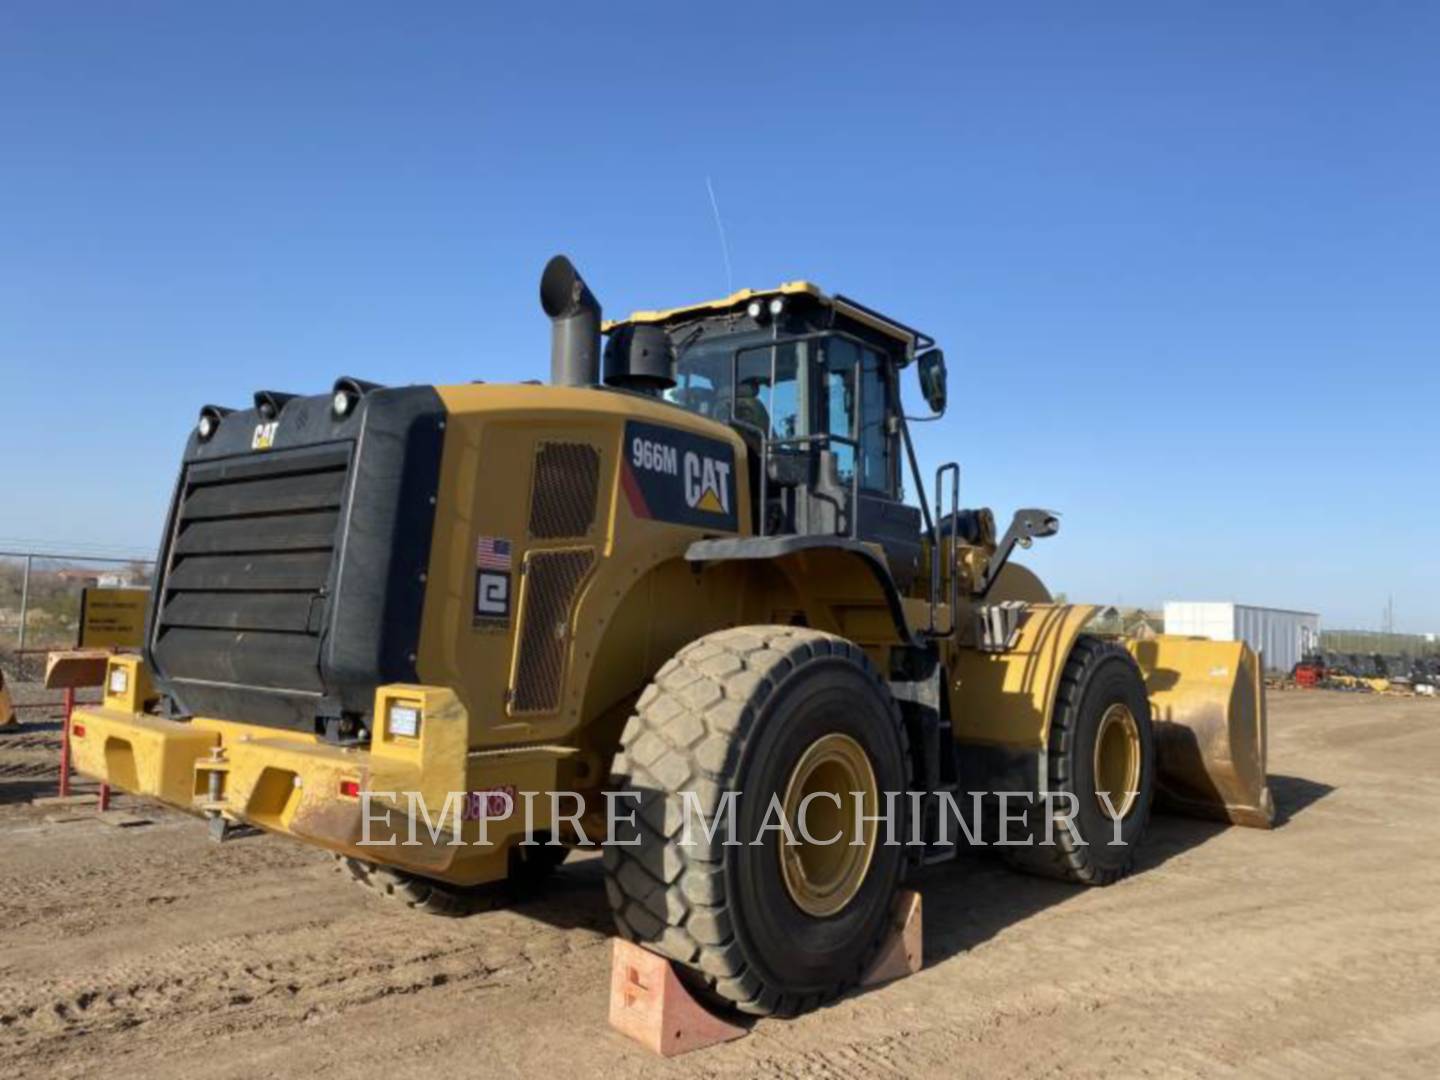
[1280, 637]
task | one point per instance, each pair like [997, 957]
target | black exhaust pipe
[574, 324]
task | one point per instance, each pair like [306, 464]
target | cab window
[856, 402]
[769, 392]
[769, 383]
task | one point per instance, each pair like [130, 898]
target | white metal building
[1281, 637]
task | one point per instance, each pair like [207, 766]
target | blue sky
[1182, 257]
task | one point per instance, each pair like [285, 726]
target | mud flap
[1207, 700]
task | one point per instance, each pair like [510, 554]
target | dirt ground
[1313, 949]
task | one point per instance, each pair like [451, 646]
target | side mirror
[930, 366]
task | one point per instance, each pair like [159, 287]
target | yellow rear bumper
[141, 754]
[311, 790]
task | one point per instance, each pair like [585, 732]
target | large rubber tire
[529, 869]
[1098, 675]
[735, 711]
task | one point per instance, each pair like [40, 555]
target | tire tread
[1065, 860]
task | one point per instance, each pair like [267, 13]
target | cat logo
[705, 483]
[679, 476]
[264, 436]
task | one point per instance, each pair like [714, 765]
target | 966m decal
[676, 476]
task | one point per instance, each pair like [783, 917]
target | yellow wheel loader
[444, 632]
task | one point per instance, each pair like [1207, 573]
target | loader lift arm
[1026, 527]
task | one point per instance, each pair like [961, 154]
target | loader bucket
[1207, 700]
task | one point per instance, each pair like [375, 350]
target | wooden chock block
[81, 799]
[902, 953]
[650, 1004]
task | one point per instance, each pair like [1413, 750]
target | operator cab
[811, 382]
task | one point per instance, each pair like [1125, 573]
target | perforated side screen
[563, 493]
[552, 579]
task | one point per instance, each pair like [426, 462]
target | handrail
[953, 468]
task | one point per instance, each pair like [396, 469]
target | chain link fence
[40, 596]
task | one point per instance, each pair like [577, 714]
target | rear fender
[844, 585]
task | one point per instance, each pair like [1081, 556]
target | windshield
[793, 388]
[770, 388]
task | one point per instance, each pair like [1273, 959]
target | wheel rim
[823, 878]
[1117, 761]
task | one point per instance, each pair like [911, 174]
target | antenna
[720, 228]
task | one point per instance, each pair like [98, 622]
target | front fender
[1006, 699]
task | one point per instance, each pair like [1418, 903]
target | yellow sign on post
[113, 618]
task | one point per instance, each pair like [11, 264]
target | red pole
[65, 743]
[104, 797]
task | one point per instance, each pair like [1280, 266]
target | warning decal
[676, 476]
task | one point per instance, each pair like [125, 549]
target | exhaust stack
[574, 324]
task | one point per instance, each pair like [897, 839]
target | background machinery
[700, 565]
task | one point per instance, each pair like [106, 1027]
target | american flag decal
[492, 553]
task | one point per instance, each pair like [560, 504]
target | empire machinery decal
[675, 476]
[492, 582]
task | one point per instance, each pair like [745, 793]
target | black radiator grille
[250, 564]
